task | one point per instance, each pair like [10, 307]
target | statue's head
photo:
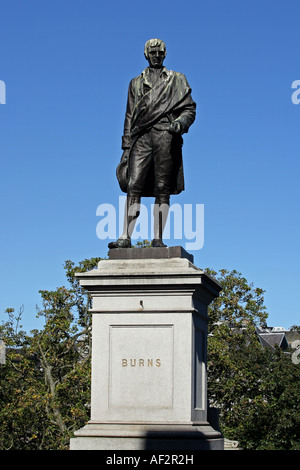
[155, 52]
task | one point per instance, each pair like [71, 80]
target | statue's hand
[175, 128]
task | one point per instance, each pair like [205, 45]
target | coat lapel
[155, 102]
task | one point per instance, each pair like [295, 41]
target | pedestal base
[149, 337]
[98, 436]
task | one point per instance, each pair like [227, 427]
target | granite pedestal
[149, 336]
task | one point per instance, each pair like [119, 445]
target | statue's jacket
[168, 100]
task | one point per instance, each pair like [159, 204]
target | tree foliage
[256, 389]
[45, 382]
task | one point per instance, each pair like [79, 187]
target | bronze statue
[159, 110]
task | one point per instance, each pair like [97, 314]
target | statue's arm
[126, 138]
[187, 114]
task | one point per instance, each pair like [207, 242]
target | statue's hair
[153, 43]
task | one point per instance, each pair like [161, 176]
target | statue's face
[156, 57]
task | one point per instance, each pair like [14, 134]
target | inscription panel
[141, 372]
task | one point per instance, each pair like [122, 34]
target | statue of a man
[159, 110]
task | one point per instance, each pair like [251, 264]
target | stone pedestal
[149, 352]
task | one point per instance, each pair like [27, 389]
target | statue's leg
[132, 211]
[163, 167]
[160, 212]
[140, 160]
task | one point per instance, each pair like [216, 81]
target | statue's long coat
[149, 106]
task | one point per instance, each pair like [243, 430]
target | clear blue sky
[67, 64]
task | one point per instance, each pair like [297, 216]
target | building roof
[273, 339]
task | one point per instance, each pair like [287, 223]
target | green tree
[45, 383]
[255, 388]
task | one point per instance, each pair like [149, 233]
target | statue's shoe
[157, 243]
[120, 243]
